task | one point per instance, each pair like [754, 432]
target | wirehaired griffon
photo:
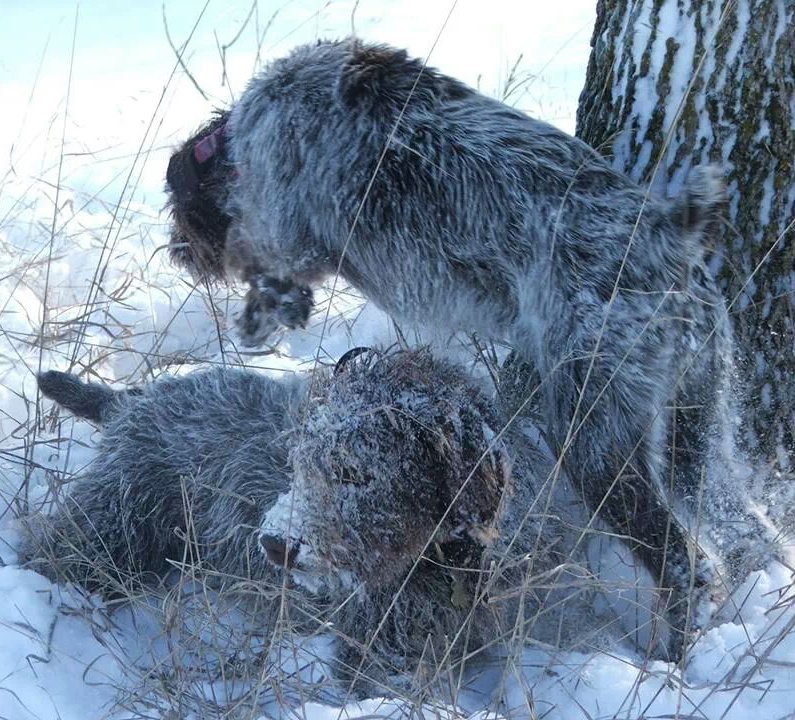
[445, 206]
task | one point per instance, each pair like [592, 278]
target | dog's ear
[195, 161]
[350, 355]
[376, 73]
[384, 78]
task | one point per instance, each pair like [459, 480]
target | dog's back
[184, 465]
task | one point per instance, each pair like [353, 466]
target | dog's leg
[270, 304]
[608, 415]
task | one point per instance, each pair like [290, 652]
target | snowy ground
[92, 102]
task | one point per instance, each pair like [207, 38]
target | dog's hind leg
[610, 415]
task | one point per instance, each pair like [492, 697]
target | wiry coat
[387, 492]
[406, 509]
[185, 469]
[445, 206]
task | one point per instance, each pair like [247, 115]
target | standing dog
[445, 206]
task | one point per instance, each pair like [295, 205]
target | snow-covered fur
[410, 510]
[399, 484]
[405, 517]
[185, 469]
[445, 206]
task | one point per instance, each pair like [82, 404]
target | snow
[64, 655]
[671, 27]
[644, 87]
[51, 665]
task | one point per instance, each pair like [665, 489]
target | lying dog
[185, 470]
[447, 207]
[394, 504]
[408, 503]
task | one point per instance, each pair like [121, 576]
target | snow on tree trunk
[675, 83]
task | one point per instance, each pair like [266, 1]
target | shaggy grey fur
[402, 494]
[185, 470]
[444, 206]
[408, 509]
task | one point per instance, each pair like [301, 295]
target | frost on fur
[183, 472]
[482, 219]
[410, 508]
[396, 506]
[398, 490]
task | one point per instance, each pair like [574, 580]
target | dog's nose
[277, 552]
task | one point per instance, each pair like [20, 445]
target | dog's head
[398, 460]
[197, 183]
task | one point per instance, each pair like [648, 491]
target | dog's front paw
[292, 304]
[256, 323]
[693, 604]
[272, 304]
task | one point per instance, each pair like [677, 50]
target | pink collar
[208, 146]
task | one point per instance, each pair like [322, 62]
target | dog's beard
[198, 240]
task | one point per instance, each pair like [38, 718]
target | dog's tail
[91, 401]
[697, 210]
[703, 198]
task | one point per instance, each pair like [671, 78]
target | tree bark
[675, 83]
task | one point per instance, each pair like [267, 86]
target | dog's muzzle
[278, 552]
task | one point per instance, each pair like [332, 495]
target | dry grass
[200, 652]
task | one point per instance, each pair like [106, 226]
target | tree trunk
[675, 83]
